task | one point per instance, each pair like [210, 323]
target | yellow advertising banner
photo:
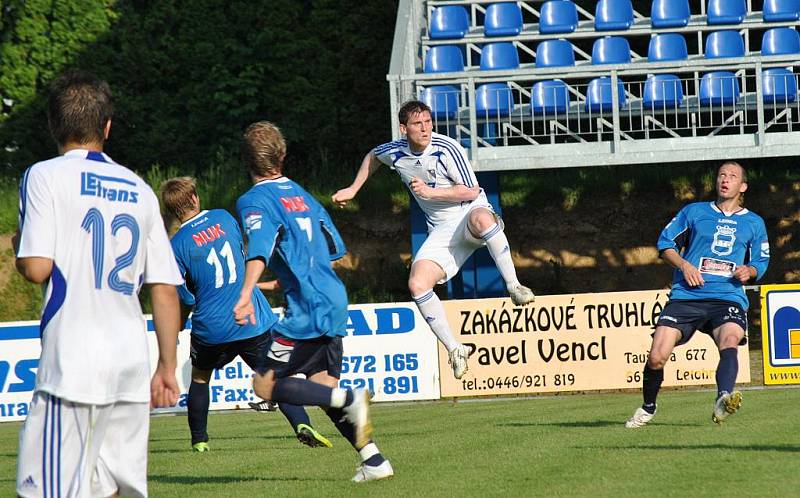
[780, 333]
[577, 342]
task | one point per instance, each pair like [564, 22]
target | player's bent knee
[263, 383]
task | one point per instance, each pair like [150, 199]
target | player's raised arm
[369, 165]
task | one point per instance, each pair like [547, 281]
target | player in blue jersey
[715, 248]
[460, 219]
[91, 234]
[292, 234]
[210, 254]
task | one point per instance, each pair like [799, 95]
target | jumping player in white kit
[91, 232]
[460, 219]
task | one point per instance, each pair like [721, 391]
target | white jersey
[100, 224]
[442, 164]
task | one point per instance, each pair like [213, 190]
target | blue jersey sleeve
[676, 233]
[759, 249]
[262, 231]
[336, 247]
[184, 293]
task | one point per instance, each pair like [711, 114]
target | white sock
[368, 451]
[497, 243]
[432, 310]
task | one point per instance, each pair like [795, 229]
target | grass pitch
[567, 445]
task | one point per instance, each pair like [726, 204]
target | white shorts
[450, 244]
[76, 450]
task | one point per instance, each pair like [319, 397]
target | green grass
[568, 445]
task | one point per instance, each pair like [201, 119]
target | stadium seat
[599, 96]
[724, 44]
[780, 41]
[500, 55]
[503, 19]
[670, 13]
[443, 101]
[662, 91]
[555, 53]
[493, 100]
[449, 21]
[726, 11]
[667, 47]
[781, 10]
[611, 50]
[549, 97]
[719, 88]
[558, 16]
[444, 59]
[610, 15]
[779, 86]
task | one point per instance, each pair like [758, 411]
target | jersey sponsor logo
[108, 188]
[252, 221]
[726, 220]
[717, 267]
[207, 235]
[199, 222]
[294, 204]
[724, 238]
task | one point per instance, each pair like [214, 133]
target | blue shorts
[703, 315]
[323, 354]
[252, 350]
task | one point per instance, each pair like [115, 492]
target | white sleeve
[160, 265]
[36, 216]
[458, 166]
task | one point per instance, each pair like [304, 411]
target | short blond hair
[263, 149]
[176, 194]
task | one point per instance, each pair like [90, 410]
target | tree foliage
[189, 75]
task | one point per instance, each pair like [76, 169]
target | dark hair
[411, 107]
[79, 108]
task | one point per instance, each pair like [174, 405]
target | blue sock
[301, 392]
[295, 414]
[347, 430]
[197, 404]
[727, 369]
[651, 384]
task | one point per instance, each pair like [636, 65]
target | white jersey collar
[735, 213]
[82, 153]
[281, 179]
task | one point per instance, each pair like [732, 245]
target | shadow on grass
[206, 479]
[781, 448]
[586, 424]
[289, 436]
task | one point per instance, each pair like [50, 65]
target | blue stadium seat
[610, 15]
[599, 96]
[555, 53]
[503, 19]
[779, 86]
[558, 16]
[781, 10]
[670, 13]
[724, 44]
[449, 21]
[719, 88]
[780, 41]
[549, 97]
[443, 101]
[444, 59]
[667, 47]
[500, 55]
[493, 100]
[611, 50]
[726, 11]
[662, 91]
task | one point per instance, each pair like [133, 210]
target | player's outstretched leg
[483, 222]
[430, 306]
[197, 406]
[651, 384]
[301, 424]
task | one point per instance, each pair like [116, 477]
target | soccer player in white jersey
[460, 219]
[91, 232]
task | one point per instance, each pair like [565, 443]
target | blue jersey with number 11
[209, 251]
[716, 244]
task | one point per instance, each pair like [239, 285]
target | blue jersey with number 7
[209, 252]
[294, 235]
